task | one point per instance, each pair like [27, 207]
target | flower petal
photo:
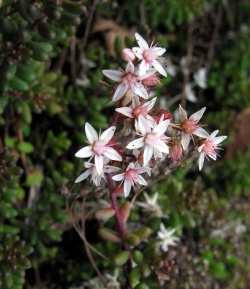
[198, 115]
[141, 41]
[143, 125]
[112, 154]
[126, 111]
[201, 160]
[99, 164]
[118, 177]
[115, 75]
[83, 176]
[84, 152]
[120, 91]
[107, 135]
[130, 67]
[156, 64]
[161, 127]
[135, 144]
[201, 132]
[183, 113]
[127, 188]
[147, 154]
[140, 90]
[219, 139]
[142, 181]
[91, 133]
[185, 140]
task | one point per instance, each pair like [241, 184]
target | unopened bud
[109, 235]
[121, 258]
[175, 152]
[119, 189]
[166, 113]
[127, 54]
[104, 214]
[124, 211]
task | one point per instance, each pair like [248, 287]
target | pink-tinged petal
[159, 50]
[140, 90]
[126, 111]
[198, 115]
[138, 52]
[185, 140]
[162, 147]
[156, 64]
[142, 181]
[135, 101]
[142, 68]
[127, 188]
[112, 154]
[85, 152]
[141, 41]
[150, 104]
[99, 164]
[115, 75]
[107, 135]
[213, 135]
[90, 133]
[120, 91]
[183, 113]
[161, 128]
[83, 176]
[200, 148]
[119, 177]
[200, 132]
[147, 74]
[130, 67]
[111, 169]
[147, 154]
[201, 160]
[135, 144]
[143, 125]
[219, 139]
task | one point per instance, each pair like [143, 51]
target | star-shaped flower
[189, 126]
[153, 139]
[148, 55]
[129, 80]
[92, 171]
[98, 147]
[167, 238]
[131, 177]
[208, 146]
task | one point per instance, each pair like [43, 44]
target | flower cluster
[153, 136]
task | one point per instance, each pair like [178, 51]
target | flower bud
[175, 152]
[127, 54]
[166, 113]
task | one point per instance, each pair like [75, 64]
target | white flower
[189, 93]
[208, 147]
[148, 55]
[200, 78]
[153, 140]
[131, 177]
[151, 205]
[92, 170]
[167, 238]
[129, 80]
[138, 109]
[98, 147]
[189, 126]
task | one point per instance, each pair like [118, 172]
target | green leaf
[34, 179]
[25, 147]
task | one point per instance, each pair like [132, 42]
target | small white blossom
[167, 238]
[200, 78]
[98, 147]
[148, 55]
[153, 140]
[208, 146]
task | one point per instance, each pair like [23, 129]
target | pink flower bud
[152, 80]
[175, 152]
[127, 54]
[166, 113]
[125, 211]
